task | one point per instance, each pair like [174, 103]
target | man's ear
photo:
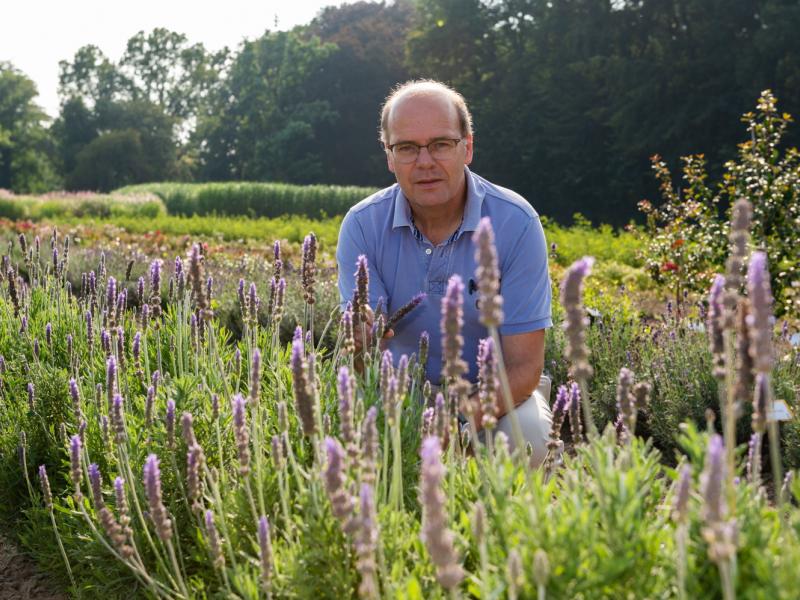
[389, 159]
[468, 150]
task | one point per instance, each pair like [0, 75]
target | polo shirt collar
[472, 210]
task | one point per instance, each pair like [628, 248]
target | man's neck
[438, 224]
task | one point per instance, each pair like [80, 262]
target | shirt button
[428, 250]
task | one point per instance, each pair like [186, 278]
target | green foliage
[26, 164]
[254, 199]
[686, 238]
[63, 207]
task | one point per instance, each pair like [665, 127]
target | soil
[19, 578]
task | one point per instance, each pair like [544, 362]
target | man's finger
[388, 334]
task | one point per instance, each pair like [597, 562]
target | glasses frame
[427, 146]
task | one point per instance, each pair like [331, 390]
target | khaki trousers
[535, 420]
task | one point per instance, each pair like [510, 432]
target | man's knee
[535, 421]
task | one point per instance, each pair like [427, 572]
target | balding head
[425, 88]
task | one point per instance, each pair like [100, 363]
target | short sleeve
[525, 282]
[352, 244]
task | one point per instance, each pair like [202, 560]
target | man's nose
[424, 157]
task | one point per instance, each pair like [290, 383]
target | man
[417, 233]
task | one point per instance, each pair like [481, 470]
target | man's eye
[441, 145]
[405, 149]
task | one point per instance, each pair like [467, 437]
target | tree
[264, 119]
[367, 62]
[25, 148]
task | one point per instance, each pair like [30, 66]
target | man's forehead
[429, 108]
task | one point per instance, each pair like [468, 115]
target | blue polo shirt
[403, 263]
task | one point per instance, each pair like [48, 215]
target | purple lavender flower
[255, 376]
[148, 406]
[45, 484]
[712, 481]
[488, 383]
[760, 318]
[424, 345]
[118, 419]
[680, 511]
[303, 388]
[152, 484]
[575, 320]
[253, 303]
[241, 434]
[75, 464]
[487, 273]
[437, 537]
[404, 310]
[170, 423]
[195, 459]
[31, 397]
[69, 346]
[140, 290]
[155, 280]
[361, 293]
[214, 542]
[74, 393]
[48, 335]
[309, 267]
[451, 323]
[346, 400]
[341, 502]
[574, 412]
[264, 549]
[105, 341]
[187, 428]
[96, 483]
[137, 346]
[715, 326]
[111, 379]
[349, 343]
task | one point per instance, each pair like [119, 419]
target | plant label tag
[779, 411]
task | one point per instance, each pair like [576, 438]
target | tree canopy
[570, 98]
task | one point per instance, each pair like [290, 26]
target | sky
[36, 34]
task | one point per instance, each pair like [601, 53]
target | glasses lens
[406, 153]
[442, 149]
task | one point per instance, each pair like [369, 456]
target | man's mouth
[427, 181]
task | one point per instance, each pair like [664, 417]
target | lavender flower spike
[96, 483]
[575, 320]
[341, 503]
[241, 434]
[451, 324]
[264, 549]
[152, 484]
[303, 388]
[718, 533]
[214, 541]
[437, 538]
[75, 464]
[760, 319]
[715, 320]
[45, 483]
[488, 274]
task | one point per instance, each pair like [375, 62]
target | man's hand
[362, 333]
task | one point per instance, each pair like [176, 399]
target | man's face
[428, 182]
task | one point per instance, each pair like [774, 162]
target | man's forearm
[523, 380]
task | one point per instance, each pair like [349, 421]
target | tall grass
[253, 199]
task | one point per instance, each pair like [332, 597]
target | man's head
[418, 113]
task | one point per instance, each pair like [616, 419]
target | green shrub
[686, 237]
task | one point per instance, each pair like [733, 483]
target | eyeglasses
[408, 152]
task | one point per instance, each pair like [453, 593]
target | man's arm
[523, 354]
